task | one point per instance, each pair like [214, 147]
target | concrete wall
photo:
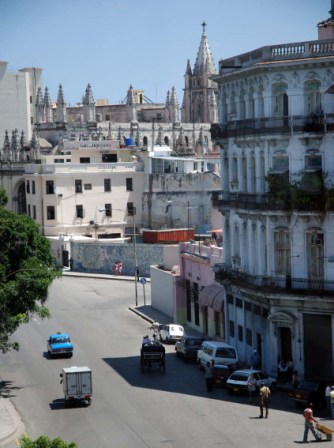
[100, 257]
[162, 291]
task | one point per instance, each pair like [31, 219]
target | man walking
[309, 419]
[264, 399]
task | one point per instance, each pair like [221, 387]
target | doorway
[286, 351]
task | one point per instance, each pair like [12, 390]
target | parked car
[237, 382]
[171, 333]
[188, 346]
[220, 374]
[216, 351]
[60, 344]
[309, 392]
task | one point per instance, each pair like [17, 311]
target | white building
[276, 137]
[18, 92]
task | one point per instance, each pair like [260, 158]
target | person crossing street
[264, 399]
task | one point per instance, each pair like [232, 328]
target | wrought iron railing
[286, 283]
[269, 125]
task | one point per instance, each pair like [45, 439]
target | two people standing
[118, 267]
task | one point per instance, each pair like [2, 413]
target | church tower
[61, 106]
[88, 105]
[200, 92]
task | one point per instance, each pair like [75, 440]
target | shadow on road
[7, 388]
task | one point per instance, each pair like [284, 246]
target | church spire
[61, 106]
[204, 61]
[188, 69]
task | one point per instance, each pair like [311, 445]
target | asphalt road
[129, 409]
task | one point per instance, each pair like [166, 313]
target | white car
[237, 382]
[171, 333]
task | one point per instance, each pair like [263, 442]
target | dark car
[309, 392]
[188, 346]
[220, 374]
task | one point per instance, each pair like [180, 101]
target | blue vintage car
[59, 344]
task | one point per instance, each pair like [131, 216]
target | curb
[143, 316]
[14, 426]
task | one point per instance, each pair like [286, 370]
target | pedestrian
[251, 384]
[328, 399]
[295, 379]
[154, 326]
[309, 419]
[116, 268]
[289, 369]
[209, 376]
[146, 340]
[255, 360]
[120, 268]
[331, 395]
[264, 399]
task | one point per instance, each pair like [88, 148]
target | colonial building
[276, 135]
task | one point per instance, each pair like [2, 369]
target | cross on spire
[203, 25]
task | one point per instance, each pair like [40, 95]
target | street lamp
[131, 212]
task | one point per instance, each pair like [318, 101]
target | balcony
[311, 202]
[273, 125]
[224, 273]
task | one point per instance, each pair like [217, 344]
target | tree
[26, 271]
[44, 442]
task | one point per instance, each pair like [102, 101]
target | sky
[113, 44]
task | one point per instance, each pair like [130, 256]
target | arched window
[145, 141]
[166, 140]
[186, 140]
[312, 97]
[280, 100]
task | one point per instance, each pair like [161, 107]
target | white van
[216, 351]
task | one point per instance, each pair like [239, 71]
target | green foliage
[44, 442]
[3, 197]
[26, 272]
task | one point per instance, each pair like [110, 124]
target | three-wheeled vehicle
[152, 356]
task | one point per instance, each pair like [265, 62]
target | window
[238, 303]
[248, 306]
[50, 212]
[28, 186]
[230, 299]
[107, 184]
[313, 162]
[282, 253]
[84, 159]
[80, 211]
[29, 212]
[240, 333]
[33, 186]
[280, 100]
[108, 209]
[31, 120]
[50, 188]
[249, 337]
[232, 333]
[312, 97]
[281, 163]
[131, 209]
[109, 158]
[315, 255]
[129, 186]
[34, 211]
[87, 186]
[78, 185]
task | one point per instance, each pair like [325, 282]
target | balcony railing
[269, 201]
[271, 125]
[270, 284]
